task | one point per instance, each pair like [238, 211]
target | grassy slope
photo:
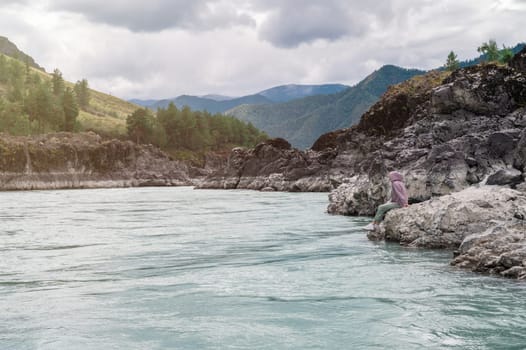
[106, 114]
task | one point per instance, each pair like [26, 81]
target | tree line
[32, 104]
[173, 128]
[490, 53]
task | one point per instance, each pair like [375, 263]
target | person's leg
[382, 209]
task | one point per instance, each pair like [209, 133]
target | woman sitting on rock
[398, 199]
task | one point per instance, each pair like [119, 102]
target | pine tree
[505, 55]
[489, 50]
[83, 93]
[71, 109]
[139, 125]
[452, 62]
[58, 82]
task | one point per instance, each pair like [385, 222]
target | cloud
[289, 24]
[157, 15]
[164, 48]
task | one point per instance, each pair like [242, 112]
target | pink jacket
[398, 190]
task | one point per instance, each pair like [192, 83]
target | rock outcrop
[443, 132]
[85, 160]
[272, 165]
[487, 226]
[449, 135]
[447, 138]
[444, 222]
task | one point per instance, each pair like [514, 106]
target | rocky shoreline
[84, 160]
[459, 139]
[450, 135]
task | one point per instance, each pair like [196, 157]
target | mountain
[143, 103]
[207, 104]
[290, 92]
[302, 121]
[10, 49]
[218, 97]
[220, 103]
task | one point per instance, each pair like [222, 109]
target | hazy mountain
[218, 97]
[210, 105]
[290, 92]
[302, 121]
[10, 49]
[143, 103]
[219, 103]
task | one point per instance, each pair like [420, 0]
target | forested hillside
[302, 121]
[34, 102]
[183, 131]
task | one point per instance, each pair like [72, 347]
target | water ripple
[174, 268]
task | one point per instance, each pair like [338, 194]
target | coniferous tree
[83, 93]
[489, 50]
[71, 109]
[139, 125]
[452, 62]
[505, 55]
[58, 82]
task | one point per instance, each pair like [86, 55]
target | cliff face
[451, 136]
[67, 160]
[443, 132]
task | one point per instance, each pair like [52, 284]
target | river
[177, 268]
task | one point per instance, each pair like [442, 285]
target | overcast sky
[164, 48]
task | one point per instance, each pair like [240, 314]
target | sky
[164, 48]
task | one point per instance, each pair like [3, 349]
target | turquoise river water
[177, 268]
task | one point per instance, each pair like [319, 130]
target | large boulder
[444, 222]
[501, 249]
[504, 177]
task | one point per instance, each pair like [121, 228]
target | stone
[84, 160]
[518, 61]
[503, 177]
[501, 249]
[443, 133]
[444, 222]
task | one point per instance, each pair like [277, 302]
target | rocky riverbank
[443, 132]
[450, 135]
[84, 160]
[486, 225]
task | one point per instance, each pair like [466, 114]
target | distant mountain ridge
[219, 103]
[207, 104]
[10, 49]
[302, 121]
[285, 93]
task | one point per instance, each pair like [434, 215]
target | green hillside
[302, 121]
[11, 50]
[35, 102]
[104, 114]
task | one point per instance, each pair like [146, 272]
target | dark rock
[503, 143]
[479, 129]
[503, 177]
[519, 155]
[67, 160]
[278, 143]
[518, 61]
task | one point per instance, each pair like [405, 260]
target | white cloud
[167, 48]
